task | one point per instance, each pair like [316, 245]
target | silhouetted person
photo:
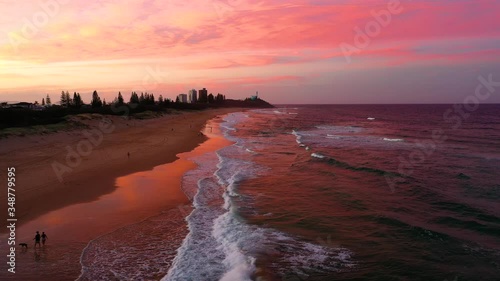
[37, 239]
[128, 154]
[44, 238]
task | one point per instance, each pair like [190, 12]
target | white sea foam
[298, 137]
[317, 155]
[328, 136]
[394, 140]
[221, 246]
[303, 257]
[228, 128]
[370, 118]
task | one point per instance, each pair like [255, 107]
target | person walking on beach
[44, 238]
[37, 239]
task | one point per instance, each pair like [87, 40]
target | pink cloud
[191, 38]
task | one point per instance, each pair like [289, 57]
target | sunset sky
[289, 51]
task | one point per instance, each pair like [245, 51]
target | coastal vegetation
[49, 113]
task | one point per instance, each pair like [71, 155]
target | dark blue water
[375, 192]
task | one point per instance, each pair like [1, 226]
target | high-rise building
[192, 96]
[203, 95]
[183, 98]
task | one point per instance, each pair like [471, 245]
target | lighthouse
[256, 97]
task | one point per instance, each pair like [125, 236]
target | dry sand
[150, 143]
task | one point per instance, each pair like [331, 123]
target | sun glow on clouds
[240, 46]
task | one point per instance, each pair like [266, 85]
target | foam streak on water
[220, 244]
[212, 249]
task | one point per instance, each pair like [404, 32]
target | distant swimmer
[44, 238]
[37, 239]
[128, 154]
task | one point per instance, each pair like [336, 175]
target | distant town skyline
[301, 51]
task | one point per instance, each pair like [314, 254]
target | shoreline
[150, 142]
[64, 216]
[165, 229]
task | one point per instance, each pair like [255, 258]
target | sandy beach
[99, 188]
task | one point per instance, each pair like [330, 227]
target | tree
[134, 99]
[210, 98]
[80, 99]
[96, 100]
[142, 98]
[177, 100]
[219, 98]
[69, 102]
[104, 102]
[120, 98]
[77, 100]
[47, 101]
[43, 101]
[160, 100]
[62, 102]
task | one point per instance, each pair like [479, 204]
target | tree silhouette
[142, 98]
[77, 100]
[47, 100]
[43, 101]
[120, 98]
[62, 101]
[68, 99]
[134, 99]
[96, 100]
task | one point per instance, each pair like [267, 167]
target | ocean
[337, 192]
